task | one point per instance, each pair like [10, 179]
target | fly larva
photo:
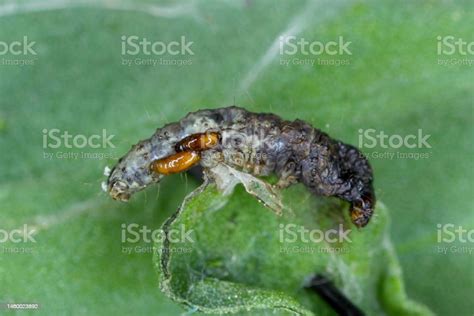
[256, 143]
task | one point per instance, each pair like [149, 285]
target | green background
[78, 83]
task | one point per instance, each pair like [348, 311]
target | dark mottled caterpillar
[256, 143]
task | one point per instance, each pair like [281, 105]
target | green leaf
[238, 261]
[79, 84]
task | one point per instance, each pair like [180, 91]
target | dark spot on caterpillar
[216, 117]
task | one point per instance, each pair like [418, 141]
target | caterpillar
[256, 143]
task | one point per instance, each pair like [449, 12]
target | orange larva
[176, 163]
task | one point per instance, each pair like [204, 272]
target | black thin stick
[331, 295]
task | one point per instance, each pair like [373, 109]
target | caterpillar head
[362, 209]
